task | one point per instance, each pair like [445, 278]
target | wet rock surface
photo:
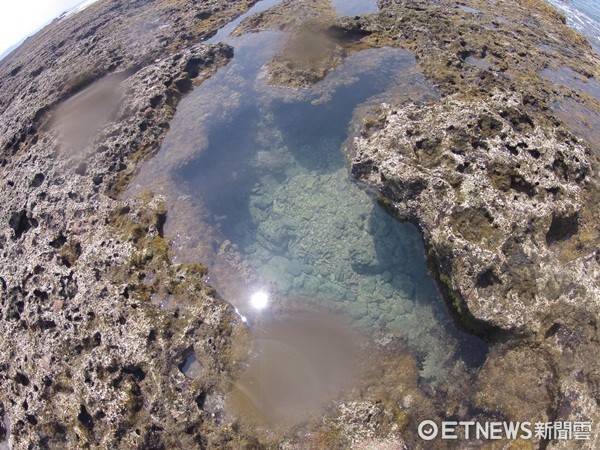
[108, 343]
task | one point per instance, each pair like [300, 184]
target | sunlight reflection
[259, 300]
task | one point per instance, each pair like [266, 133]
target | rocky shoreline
[504, 193]
[87, 361]
[502, 188]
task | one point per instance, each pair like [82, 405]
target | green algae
[70, 252]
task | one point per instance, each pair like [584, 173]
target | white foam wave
[582, 15]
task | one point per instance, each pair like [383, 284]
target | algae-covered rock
[501, 238]
[363, 257]
[519, 384]
[500, 173]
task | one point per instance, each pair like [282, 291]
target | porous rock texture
[504, 193]
[86, 360]
[498, 195]
[502, 190]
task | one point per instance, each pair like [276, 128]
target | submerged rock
[528, 394]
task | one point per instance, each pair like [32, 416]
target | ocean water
[582, 15]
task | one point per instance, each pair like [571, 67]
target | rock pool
[258, 190]
[78, 119]
[354, 7]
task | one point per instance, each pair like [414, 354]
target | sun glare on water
[259, 300]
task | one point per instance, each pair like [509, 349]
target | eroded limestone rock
[87, 360]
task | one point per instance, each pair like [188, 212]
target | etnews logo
[429, 430]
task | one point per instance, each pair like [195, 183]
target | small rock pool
[258, 189]
[354, 7]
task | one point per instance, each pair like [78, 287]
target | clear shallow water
[582, 120]
[584, 16]
[469, 9]
[258, 189]
[481, 63]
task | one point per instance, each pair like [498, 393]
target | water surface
[79, 118]
[5, 432]
[481, 63]
[469, 9]
[299, 363]
[354, 7]
[582, 121]
[258, 189]
[223, 33]
[582, 15]
[569, 78]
